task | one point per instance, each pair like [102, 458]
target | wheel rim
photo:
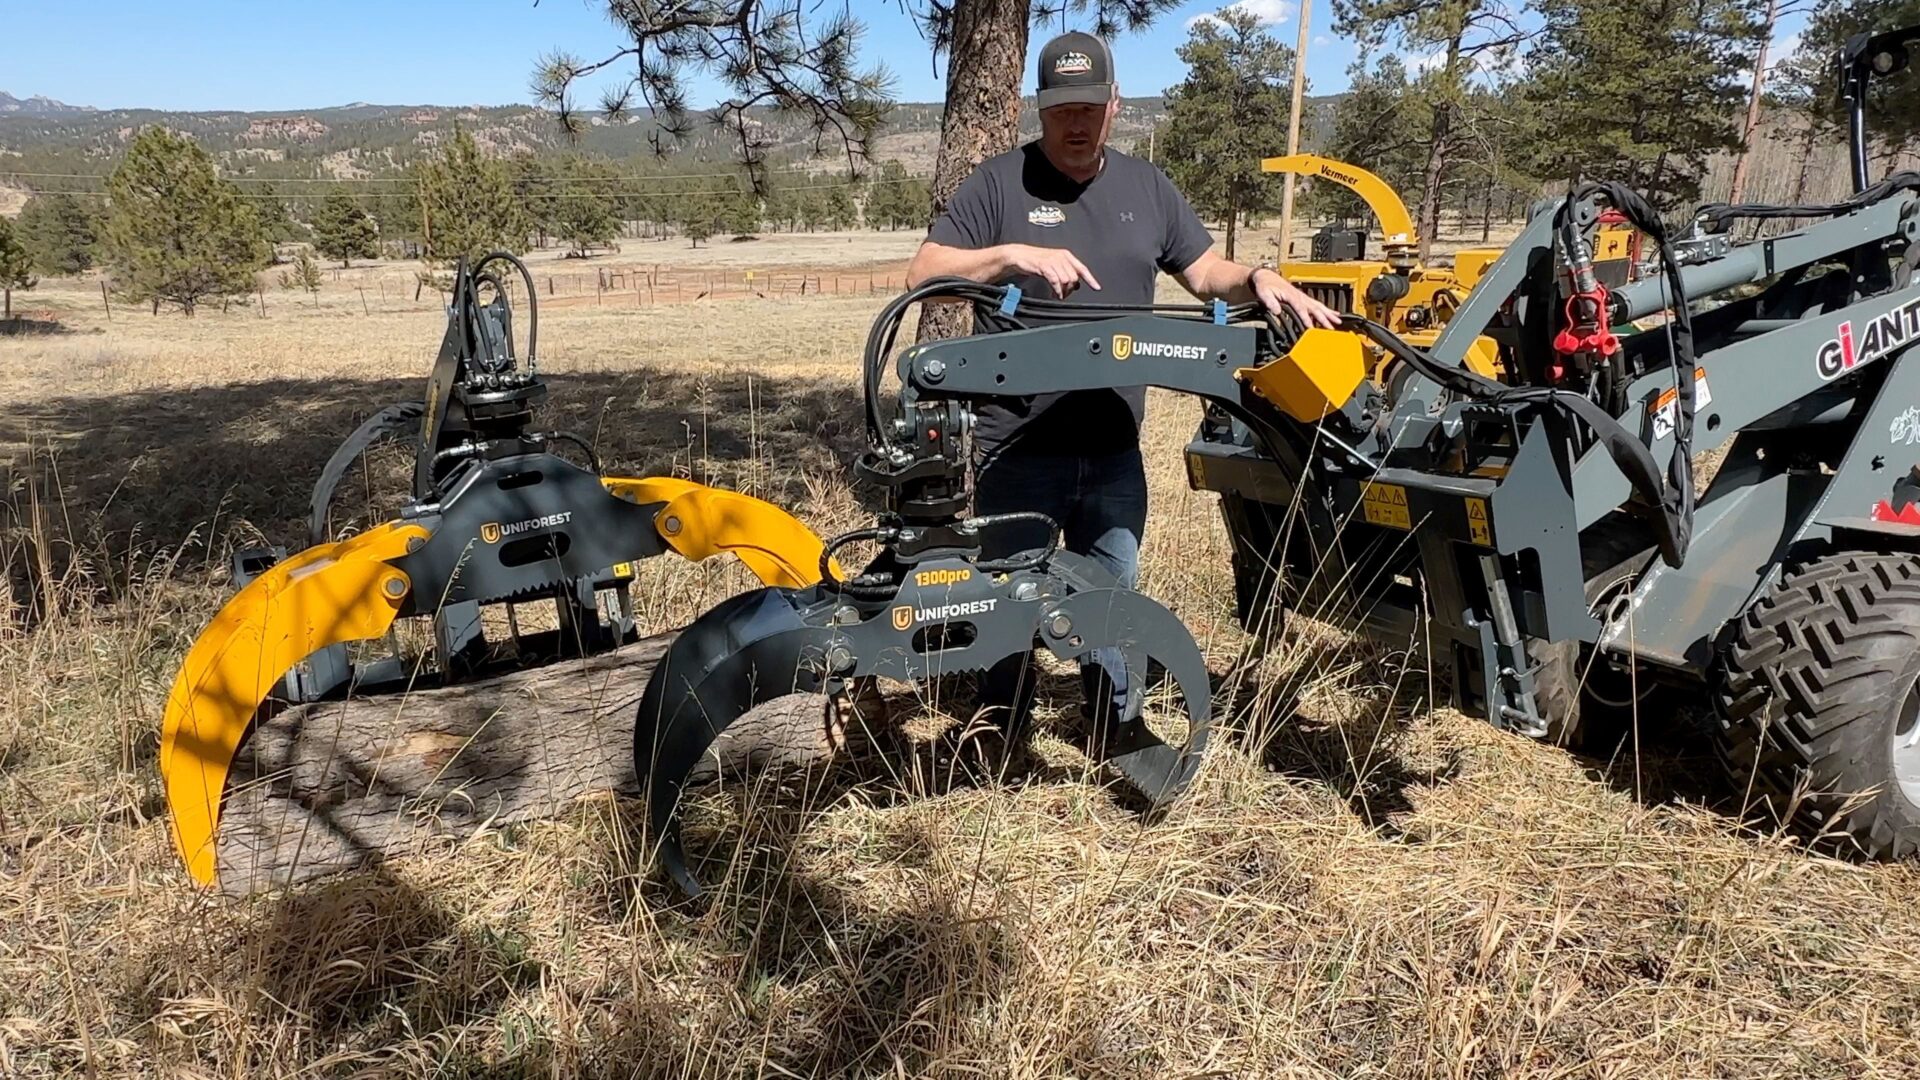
[1600, 680]
[1906, 746]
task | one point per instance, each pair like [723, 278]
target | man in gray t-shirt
[1068, 217]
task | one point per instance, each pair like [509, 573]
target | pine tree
[695, 215]
[1230, 112]
[467, 204]
[303, 274]
[178, 234]
[1640, 91]
[1806, 83]
[343, 230]
[740, 213]
[1379, 124]
[15, 266]
[812, 207]
[276, 224]
[1463, 39]
[840, 211]
[582, 208]
[536, 187]
[59, 232]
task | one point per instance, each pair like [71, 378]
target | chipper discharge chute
[952, 593]
[497, 515]
[1537, 535]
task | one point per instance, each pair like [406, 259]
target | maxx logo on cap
[1073, 63]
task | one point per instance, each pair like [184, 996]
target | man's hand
[1059, 266]
[1275, 292]
[1061, 271]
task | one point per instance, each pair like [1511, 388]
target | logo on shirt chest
[1046, 216]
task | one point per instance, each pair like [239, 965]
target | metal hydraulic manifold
[931, 603]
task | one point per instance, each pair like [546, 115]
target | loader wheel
[1817, 702]
[1588, 704]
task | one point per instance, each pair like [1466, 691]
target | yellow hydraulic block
[1315, 377]
[323, 596]
[699, 521]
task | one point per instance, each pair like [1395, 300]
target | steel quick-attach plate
[519, 525]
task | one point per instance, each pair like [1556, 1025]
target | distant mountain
[361, 140]
[38, 106]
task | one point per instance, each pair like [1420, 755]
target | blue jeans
[1100, 504]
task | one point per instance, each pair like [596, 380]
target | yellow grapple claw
[699, 522]
[325, 595]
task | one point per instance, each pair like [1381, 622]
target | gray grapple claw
[944, 617]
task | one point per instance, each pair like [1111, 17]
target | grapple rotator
[936, 600]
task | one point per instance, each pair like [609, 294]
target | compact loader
[497, 517]
[1535, 533]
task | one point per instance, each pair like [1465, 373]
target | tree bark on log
[336, 785]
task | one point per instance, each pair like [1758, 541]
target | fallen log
[327, 787]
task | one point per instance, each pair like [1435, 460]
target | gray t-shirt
[1124, 224]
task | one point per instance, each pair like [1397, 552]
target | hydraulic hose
[1671, 498]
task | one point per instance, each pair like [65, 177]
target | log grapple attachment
[496, 516]
[946, 594]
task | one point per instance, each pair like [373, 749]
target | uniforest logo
[906, 615]
[1124, 346]
[493, 532]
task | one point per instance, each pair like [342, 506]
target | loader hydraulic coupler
[498, 516]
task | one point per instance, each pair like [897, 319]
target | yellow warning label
[1477, 527]
[623, 569]
[1386, 504]
[1613, 244]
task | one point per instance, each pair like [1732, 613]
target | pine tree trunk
[984, 65]
[1436, 171]
[9, 305]
[1233, 214]
[1752, 125]
[1806, 162]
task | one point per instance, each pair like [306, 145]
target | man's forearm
[975, 264]
[1228, 281]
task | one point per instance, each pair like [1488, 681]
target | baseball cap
[1075, 68]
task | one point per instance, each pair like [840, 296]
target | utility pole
[1293, 130]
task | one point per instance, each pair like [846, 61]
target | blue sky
[242, 54]
[229, 54]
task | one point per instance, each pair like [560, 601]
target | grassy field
[1366, 886]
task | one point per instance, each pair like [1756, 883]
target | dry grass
[1370, 888]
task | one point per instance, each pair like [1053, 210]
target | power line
[578, 194]
[629, 178]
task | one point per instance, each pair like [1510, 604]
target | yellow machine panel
[1315, 377]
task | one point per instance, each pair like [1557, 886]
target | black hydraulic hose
[593, 459]
[1715, 217]
[1673, 498]
[1028, 560]
[879, 534]
[533, 299]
